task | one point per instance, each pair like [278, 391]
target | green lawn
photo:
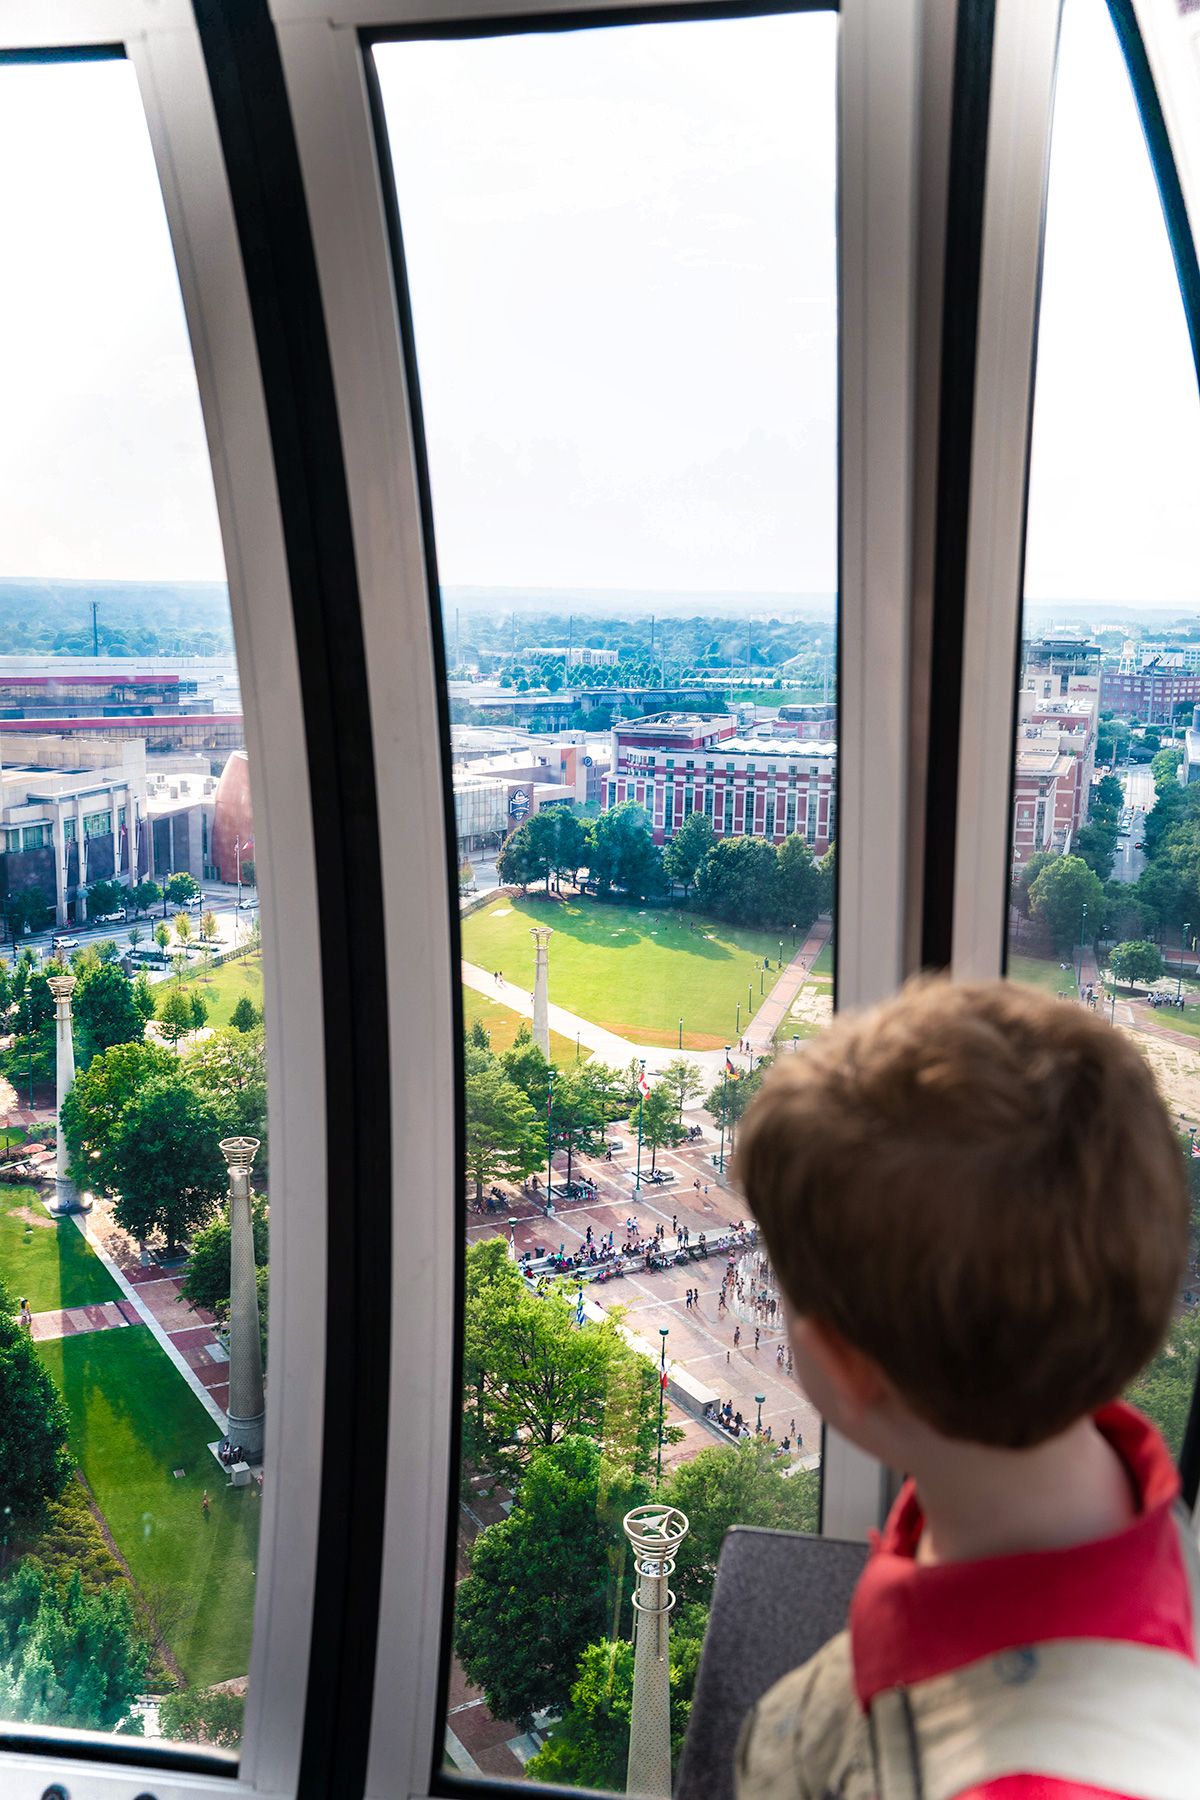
[503, 1024]
[225, 987]
[1036, 971]
[134, 1420]
[48, 1261]
[824, 962]
[632, 970]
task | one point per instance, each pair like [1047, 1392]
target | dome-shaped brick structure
[233, 822]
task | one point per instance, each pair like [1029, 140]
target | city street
[217, 897]
[1140, 796]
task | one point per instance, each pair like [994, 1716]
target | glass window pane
[621, 261]
[1105, 905]
[119, 701]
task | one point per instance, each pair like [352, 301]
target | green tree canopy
[685, 1081]
[800, 889]
[660, 1128]
[245, 1015]
[105, 898]
[232, 1066]
[1057, 899]
[169, 1170]
[686, 851]
[738, 880]
[145, 895]
[174, 1009]
[35, 1462]
[624, 854]
[67, 1657]
[92, 1112]
[505, 1138]
[143, 996]
[722, 1487]
[105, 1009]
[1165, 764]
[181, 888]
[203, 1716]
[538, 1589]
[1136, 962]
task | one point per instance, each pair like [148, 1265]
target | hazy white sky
[621, 253]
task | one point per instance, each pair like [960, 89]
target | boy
[975, 1205]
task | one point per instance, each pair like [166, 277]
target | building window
[668, 809]
[791, 814]
[728, 811]
[68, 826]
[97, 824]
[12, 840]
[35, 837]
[708, 804]
[810, 826]
[770, 824]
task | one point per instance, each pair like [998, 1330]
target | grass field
[503, 1024]
[633, 970]
[47, 1261]
[1036, 971]
[225, 987]
[134, 1420]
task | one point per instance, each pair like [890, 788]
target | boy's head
[980, 1189]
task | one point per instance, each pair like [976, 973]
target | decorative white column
[655, 1532]
[541, 935]
[62, 987]
[247, 1405]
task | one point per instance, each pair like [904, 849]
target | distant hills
[43, 616]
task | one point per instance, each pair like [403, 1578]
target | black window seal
[966, 185]
[1187, 270]
[262, 161]
[67, 53]
[442, 1781]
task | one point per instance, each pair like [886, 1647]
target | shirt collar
[911, 1621]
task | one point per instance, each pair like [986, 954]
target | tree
[1108, 798]
[583, 1101]
[170, 1171]
[29, 909]
[203, 1716]
[231, 1065]
[687, 850]
[245, 1015]
[737, 880]
[659, 1126]
[684, 1080]
[1136, 962]
[624, 854]
[143, 996]
[589, 1746]
[1163, 767]
[181, 888]
[67, 1657]
[209, 929]
[1096, 843]
[91, 1113]
[1163, 1390]
[249, 872]
[722, 1487]
[35, 1462]
[537, 1591]
[524, 1064]
[1058, 896]
[105, 898]
[106, 1012]
[162, 934]
[504, 1139]
[145, 895]
[199, 1006]
[35, 1041]
[516, 865]
[174, 1010]
[799, 889]
[183, 928]
[206, 1281]
[1026, 875]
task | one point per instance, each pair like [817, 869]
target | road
[216, 898]
[1140, 796]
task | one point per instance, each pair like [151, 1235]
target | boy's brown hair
[981, 1189]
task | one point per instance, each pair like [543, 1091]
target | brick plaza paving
[701, 1340]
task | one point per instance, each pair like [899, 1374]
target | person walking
[756, 1336]
[737, 1336]
[206, 1504]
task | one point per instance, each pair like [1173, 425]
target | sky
[621, 256]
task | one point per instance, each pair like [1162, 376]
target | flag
[664, 1381]
[643, 1084]
[579, 1308]
[730, 1070]
[1196, 1149]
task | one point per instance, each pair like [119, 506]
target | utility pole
[1179, 984]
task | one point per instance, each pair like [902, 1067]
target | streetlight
[761, 978]
[662, 1393]
[550, 1140]
[1082, 936]
[1179, 984]
[795, 1042]
[750, 999]
[681, 1034]
[738, 1021]
[29, 1039]
[781, 953]
[760, 1398]
[641, 1101]
[724, 1090]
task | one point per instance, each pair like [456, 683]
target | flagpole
[724, 1092]
[637, 1186]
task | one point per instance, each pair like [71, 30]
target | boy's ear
[857, 1381]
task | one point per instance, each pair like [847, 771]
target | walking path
[607, 1044]
[759, 1036]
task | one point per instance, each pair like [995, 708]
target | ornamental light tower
[655, 1532]
[62, 987]
[541, 935]
[247, 1406]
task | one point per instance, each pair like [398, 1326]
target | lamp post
[29, 1040]
[762, 974]
[662, 1393]
[1082, 936]
[1182, 936]
[781, 953]
[681, 1033]
[637, 1186]
[737, 1024]
[795, 1042]
[550, 1140]
[724, 1091]
[760, 1398]
[247, 1407]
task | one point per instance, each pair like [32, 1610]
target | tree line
[746, 880]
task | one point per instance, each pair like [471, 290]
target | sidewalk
[760, 1035]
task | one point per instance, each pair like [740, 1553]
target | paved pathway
[760, 1034]
[111, 1316]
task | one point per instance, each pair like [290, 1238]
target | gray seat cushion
[778, 1596]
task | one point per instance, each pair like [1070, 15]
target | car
[1138, 845]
